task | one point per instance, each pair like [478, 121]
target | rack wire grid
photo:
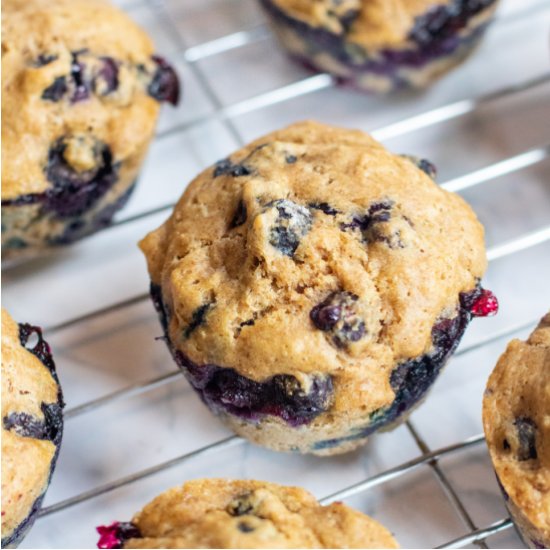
[133, 425]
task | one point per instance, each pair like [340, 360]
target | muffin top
[378, 23]
[77, 78]
[314, 251]
[516, 417]
[31, 422]
[220, 513]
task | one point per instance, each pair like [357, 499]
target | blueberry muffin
[32, 424]
[222, 513]
[312, 286]
[381, 45]
[81, 90]
[516, 418]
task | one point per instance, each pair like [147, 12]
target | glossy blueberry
[424, 164]
[428, 168]
[291, 159]
[164, 85]
[116, 534]
[241, 506]
[444, 21]
[337, 315]
[106, 79]
[324, 207]
[197, 319]
[293, 222]
[41, 348]
[343, 11]
[44, 59]
[56, 91]
[27, 425]
[81, 88]
[226, 167]
[240, 215]
[378, 212]
[78, 228]
[527, 438]
[245, 527]
[74, 192]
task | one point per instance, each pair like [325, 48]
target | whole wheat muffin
[516, 418]
[222, 513]
[381, 45]
[312, 286]
[80, 98]
[32, 424]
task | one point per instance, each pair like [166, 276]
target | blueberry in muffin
[312, 286]
[223, 513]
[380, 45]
[81, 90]
[32, 424]
[516, 419]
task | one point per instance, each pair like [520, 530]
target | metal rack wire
[474, 534]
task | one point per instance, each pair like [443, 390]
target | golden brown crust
[258, 300]
[518, 393]
[26, 462]
[123, 119]
[220, 513]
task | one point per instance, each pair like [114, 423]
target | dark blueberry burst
[337, 315]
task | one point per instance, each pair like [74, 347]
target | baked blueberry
[32, 426]
[290, 222]
[164, 85]
[336, 302]
[117, 534]
[516, 419]
[79, 110]
[338, 315]
[223, 513]
[225, 166]
[380, 46]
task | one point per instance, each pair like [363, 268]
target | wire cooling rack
[133, 426]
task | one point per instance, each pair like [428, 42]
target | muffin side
[222, 513]
[516, 419]
[32, 426]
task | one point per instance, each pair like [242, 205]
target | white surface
[97, 357]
